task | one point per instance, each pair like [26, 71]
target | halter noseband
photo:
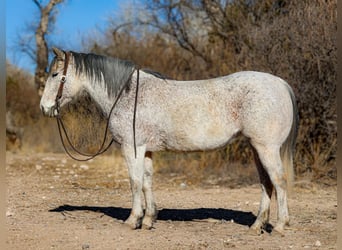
[63, 79]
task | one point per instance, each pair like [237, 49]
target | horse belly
[198, 140]
[199, 130]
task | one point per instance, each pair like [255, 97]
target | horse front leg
[151, 210]
[136, 175]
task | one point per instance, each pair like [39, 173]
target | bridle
[61, 126]
[63, 79]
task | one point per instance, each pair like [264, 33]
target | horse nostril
[42, 109]
[54, 111]
[46, 111]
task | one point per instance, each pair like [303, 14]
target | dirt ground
[57, 203]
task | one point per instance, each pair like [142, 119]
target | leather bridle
[63, 80]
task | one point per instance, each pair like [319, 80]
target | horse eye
[54, 74]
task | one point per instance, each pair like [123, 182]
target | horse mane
[156, 74]
[113, 71]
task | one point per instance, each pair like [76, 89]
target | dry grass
[204, 168]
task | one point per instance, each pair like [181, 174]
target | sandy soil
[57, 203]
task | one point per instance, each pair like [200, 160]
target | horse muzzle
[51, 111]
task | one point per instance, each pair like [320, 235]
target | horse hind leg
[269, 156]
[267, 188]
[151, 211]
[136, 175]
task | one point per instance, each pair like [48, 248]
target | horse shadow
[165, 214]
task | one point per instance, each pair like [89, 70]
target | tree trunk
[42, 47]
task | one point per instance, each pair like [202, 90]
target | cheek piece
[63, 80]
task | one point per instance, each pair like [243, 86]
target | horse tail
[288, 148]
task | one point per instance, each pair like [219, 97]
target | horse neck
[99, 94]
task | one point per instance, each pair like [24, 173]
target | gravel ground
[57, 203]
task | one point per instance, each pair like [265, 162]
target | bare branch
[38, 4]
[41, 44]
[175, 19]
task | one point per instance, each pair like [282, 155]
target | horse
[154, 113]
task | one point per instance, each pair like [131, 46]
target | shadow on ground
[119, 213]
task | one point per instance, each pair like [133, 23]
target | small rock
[183, 185]
[318, 243]
[84, 167]
[38, 167]
[85, 246]
[9, 213]
[229, 245]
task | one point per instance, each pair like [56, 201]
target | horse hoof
[255, 231]
[133, 223]
[147, 223]
[278, 230]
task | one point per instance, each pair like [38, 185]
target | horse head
[61, 85]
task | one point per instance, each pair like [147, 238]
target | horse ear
[59, 53]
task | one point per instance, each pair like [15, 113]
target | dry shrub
[21, 97]
[22, 101]
[41, 136]
[300, 47]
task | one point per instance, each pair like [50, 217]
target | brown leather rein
[61, 126]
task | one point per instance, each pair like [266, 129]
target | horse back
[206, 114]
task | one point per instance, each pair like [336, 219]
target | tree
[34, 42]
[47, 17]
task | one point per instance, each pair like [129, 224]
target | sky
[75, 20]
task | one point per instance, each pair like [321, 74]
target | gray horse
[153, 113]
